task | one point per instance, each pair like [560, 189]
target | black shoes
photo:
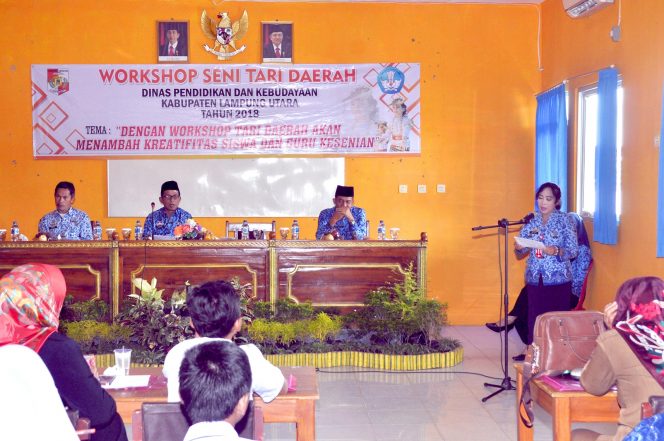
[520, 357]
[495, 327]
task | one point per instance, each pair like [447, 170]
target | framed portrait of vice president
[173, 41]
[277, 42]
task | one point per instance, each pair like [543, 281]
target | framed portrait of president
[277, 41]
[173, 41]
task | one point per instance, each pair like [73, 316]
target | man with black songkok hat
[349, 221]
[163, 221]
[279, 45]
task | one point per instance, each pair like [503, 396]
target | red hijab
[640, 321]
[31, 297]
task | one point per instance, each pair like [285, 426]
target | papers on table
[529, 243]
[164, 237]
[128, 381]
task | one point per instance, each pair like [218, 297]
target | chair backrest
[166, 422]
[163, 422]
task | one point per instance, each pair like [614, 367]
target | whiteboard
[262, 187]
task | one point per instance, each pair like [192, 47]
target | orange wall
[576, 46]
[479, 76]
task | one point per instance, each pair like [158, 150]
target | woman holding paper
[31, 297]
[548, 270]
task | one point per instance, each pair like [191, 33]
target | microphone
[152, 204]
[528, 217]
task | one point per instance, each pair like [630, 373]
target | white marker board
[263, 187]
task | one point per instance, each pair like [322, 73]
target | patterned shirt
[580, 267]
[346, 230]
[558, 231]
[164, 225]
[73, 225]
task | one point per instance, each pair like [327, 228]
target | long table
[327, 273]
[293, 407]
[565, 407]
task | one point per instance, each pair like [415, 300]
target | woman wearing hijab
[31, 297]
[630, 355]
[28, 391]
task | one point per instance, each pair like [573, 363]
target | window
[587, 140]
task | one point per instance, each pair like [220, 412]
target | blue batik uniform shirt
[558, 231]
[73, 225]
[164, 225]
[345, 229]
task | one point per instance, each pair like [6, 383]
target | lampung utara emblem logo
[57, 80]
[225, 34]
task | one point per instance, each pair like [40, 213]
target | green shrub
[97, 337]
[72, 311]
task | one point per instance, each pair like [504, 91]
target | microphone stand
[506, 384]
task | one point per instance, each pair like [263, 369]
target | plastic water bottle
[15, 232]
[96, 231]
[295, 230]
[138, 231]
[381, 230]
[244, 233]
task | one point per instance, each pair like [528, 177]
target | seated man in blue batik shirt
[163, 221]
[348, 221]
[66, 222]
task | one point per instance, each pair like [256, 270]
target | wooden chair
[166, 422]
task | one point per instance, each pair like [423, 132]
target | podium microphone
[152, 205]
[528, 217]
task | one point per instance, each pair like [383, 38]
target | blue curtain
[660, 191]
[605, 221]
[551, 140]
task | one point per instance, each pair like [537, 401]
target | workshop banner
[134, 110]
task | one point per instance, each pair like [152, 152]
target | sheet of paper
[127, 381]
[529, 243]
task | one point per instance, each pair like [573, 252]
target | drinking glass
[284, 232]
[109, 233]
[126, 233]
[394, 233]
[122, 361]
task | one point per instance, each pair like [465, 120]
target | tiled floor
[433, 406]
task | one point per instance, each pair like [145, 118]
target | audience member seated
[31, 408]
[31, 297]
[215, 313]
[621, 357]
[650, 429]
[215, 384]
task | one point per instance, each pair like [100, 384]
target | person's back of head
[635, 292]
[214, 308]
[215, 381]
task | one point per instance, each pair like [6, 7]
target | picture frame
[173, 32]
[277, 41]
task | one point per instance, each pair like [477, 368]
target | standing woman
[31, 297]
[548, 271]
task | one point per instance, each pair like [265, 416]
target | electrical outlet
[403, 188]
[440, 188]
[422, 188]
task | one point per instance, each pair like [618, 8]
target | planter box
[335, 359]
[368, 360]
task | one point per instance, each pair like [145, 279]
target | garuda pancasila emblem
[225, 34]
